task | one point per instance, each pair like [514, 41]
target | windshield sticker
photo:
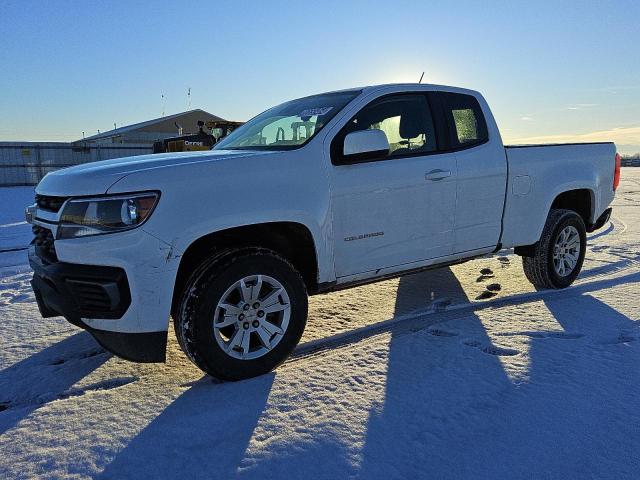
[310, 112]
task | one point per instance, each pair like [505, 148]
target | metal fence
[631, 161]
[25, 163]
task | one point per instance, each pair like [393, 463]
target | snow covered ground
[464, 372]
[15, 233]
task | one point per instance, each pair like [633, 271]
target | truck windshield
[289, 125]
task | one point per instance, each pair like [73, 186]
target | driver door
[394, 209]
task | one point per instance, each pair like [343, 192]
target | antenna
[83, 135]
[189, 98]
[163, 103]
[421, 76]
[114, 125]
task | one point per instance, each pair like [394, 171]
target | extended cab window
[405, 120]
[467, 126]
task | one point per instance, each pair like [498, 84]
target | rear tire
[221, 324]
[557, 258]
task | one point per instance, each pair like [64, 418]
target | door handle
[437, 174]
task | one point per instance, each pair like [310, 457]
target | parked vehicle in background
[317, 194]
[209, 133]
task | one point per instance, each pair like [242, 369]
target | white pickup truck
[314, 195]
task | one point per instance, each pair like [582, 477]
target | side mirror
[365, 145]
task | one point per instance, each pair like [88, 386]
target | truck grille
[52, 204]
[44, 243]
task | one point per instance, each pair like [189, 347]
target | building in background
[25, 162]
[153, 130]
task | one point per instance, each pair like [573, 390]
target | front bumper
[122, 299]
[117, 286]
[79, 291]
[84, 292]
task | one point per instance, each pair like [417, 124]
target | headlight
[108, 214]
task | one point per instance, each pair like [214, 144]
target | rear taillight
[616, 173]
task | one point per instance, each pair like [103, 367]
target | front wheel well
[291, 240]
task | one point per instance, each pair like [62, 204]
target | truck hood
[95, 178]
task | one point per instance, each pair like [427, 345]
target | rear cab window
[463, 118]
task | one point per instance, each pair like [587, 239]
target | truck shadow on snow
[208, 426]
[464, 419]
[47, 376]
[450, 408]
[197, 428]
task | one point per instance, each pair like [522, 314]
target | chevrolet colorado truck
[314, 195]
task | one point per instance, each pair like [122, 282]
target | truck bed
[539, 173]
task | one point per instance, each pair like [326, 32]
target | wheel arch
[579, 200]
[293, 240]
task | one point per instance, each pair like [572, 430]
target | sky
[552, 71]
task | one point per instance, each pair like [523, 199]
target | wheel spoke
[272, 298]
[265, 337]
[230, 309]
[271, 328]
[246, 338]
[226, 321]
[255, 289]
[245, 291]
[275, 307]
[235, 339]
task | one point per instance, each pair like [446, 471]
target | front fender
[203, 198]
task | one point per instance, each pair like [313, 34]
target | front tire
[558, 256]
[241, 313]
